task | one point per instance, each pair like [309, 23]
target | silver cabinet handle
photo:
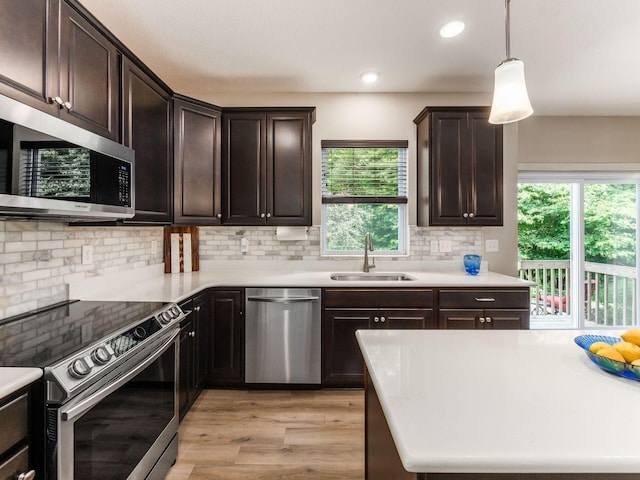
[57, 100]
[376, 319]
[471, 215]
[262, 215]
[485, 299]
[382, 319]
[30, 475]
[488, 319]
[219, 215]
[67, 105]
[268, 215]
[481, 319]
[192, 334]
[465, 214]
[197, 309]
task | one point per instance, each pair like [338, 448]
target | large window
[364, 190]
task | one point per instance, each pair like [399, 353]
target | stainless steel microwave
[52, 169]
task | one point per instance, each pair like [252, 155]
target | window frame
[401, 201]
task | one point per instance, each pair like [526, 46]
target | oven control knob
[80, 367]
[175, 311]
[139, 333]
[101, 355]
[164, 317]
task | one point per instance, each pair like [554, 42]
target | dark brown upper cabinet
[459, 167]
[267, 166]
[147, 128]
[55, 60]
[197, 162]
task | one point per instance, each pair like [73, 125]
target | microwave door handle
[89, 402]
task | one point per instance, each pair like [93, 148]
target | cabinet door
[226, 339]
[459, 319]
[449, 168]
[507, 319]
[288, 174]
[407, 319]
[244, 169]
[197, 179]
[485, 170]
[147, 129]
[185, 371]
[28, 51]
[201, 320]
[342, 362]
[88, 75]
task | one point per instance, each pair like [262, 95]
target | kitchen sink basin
[373, 277]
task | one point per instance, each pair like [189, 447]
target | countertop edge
[13, 379]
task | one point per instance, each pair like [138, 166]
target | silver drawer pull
[30, 475]
[485, 299]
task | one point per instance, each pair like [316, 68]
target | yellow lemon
[632, 336]
[630, 351]
[595, 346]
[611, 353]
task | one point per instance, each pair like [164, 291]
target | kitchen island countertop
[502, 402]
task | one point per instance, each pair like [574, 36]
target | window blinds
[364, 172]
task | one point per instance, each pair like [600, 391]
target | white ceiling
[582, 57]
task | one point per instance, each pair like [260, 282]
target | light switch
[244, 245]
[87, 254]
[445, 246]
[492, 246]
[434, 246]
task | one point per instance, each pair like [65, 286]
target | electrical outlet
[445, 246]
[87, 254]
[244, 245]
[434, 246]
[491, 246]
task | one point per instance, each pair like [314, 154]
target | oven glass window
[112, 437]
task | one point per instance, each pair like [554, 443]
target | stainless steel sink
[373, 277]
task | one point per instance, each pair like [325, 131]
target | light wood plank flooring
[272, 435]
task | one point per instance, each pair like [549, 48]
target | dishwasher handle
[283, 299]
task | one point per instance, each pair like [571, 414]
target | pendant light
[510, 99]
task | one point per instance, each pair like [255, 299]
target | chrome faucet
[368, 247]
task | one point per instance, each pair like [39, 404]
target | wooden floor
[272, 435]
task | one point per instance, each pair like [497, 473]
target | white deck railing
[610, 291]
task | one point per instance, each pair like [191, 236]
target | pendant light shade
[510, 98]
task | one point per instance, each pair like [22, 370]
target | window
[364, 190]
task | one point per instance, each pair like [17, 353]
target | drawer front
[484, 298]
[377, 298]
[16, 465]
[14, 422]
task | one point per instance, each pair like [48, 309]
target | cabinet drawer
[484, 298]
[12, 468]
[14, 419]
[377, 298]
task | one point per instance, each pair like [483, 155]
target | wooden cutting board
[181, 231]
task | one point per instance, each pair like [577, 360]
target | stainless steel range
[109, 386]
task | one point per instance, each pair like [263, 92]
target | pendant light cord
[507, 27]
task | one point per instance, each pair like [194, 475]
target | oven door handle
[117, 382]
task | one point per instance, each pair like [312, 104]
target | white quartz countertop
[152, 284]
[502, 401]
[14, 378]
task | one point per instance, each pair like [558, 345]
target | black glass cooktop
[41, 339]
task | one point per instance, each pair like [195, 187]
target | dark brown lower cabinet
[16, 441]
[495, 309]
[349, 310]
[226, 339]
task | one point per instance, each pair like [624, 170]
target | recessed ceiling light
[370, 77]
[452, 29]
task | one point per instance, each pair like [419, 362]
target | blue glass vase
[472, 264]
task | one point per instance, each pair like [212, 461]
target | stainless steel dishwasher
[282, 335]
